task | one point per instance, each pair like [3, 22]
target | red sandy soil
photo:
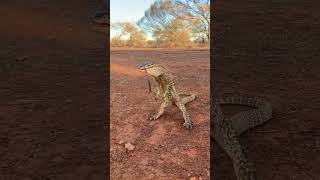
[271, 49]
[53, 91]
[164, 149]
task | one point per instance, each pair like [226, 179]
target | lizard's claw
[151, 118]
[188, 125]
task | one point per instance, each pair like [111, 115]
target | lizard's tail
[188, 98]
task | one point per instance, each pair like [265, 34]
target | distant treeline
[171, 23]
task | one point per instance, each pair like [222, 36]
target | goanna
[165, 88]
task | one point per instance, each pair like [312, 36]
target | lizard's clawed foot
[188, 125]
[152, 118]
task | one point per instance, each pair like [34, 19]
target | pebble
[162, 156]
[129, 146]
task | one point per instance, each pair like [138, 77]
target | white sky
[128, 11]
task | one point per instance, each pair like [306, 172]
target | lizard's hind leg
[187, 119]
[187, 99]
[161, 110]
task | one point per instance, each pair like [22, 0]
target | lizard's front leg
[161, 110]
[156, 89]
[187, 119]
[156, 93]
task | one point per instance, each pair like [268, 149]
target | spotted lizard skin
[165, 88]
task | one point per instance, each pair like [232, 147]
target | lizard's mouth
[142, 69]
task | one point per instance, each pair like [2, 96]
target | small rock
[121, 142]
[129, 146]
[200, 178]
[193, 178]
[114, 156]
[162, 156]
[189, 174]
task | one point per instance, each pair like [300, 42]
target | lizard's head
[146, 65]
[151, 69]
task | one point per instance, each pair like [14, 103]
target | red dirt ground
[164, 149]
[53, 91]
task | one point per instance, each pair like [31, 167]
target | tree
[168, 30]
[183, 18]
[137, 39]
[175, 35]
[117, 42]
[158, 16]
[197, 12]
[130, 32]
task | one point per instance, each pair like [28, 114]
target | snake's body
[226, 131]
